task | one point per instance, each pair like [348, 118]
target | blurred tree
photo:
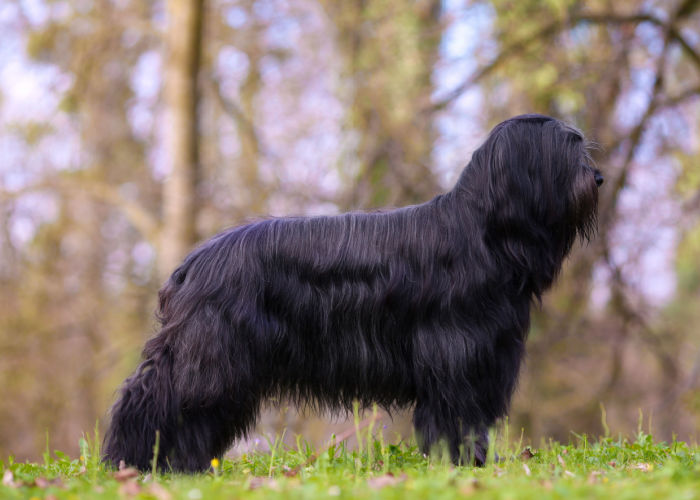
[258, 100]
[81, 287]
[248, 39]
[76, 272]
[184, 53]
[389, 50]
[249, 161]
[623, 73]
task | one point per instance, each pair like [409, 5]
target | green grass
[602, 468]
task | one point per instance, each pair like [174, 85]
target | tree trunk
[184, 49]
[250, 148]
[390, 50]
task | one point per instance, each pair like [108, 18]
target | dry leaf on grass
[289, 471]
[130, 488]
[43, 483]
[8, 479]
[547, 484]
[159, 492]
[594, 477]
[469, 487]
[380, 482]
[126, 474]
[258, 482]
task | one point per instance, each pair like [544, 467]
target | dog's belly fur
[331, 333]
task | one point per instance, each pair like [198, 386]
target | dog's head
[534, 178]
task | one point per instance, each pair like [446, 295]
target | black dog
[424, 306]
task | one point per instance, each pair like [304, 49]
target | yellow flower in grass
[215, 463]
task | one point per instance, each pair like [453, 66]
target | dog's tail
[146, 407]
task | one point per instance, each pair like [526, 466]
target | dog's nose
[598, 178]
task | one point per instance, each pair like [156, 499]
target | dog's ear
[502, 184]
[507, 178]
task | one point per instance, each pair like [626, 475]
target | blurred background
[131, 130]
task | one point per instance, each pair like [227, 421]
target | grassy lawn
[602, 468]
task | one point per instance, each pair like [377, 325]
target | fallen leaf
[644, 467]
[126, 474]
[526, 469]
[547, 484]
[258, 482]
[380, 482]
[561, 461]
[290, 471]
[469, 487]
[43, 483]
[159, 492]
[130, 488]
[594, 477]
[8, 479]
[569, 473]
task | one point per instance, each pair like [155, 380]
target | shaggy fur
[425, 306]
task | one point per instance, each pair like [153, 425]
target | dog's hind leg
[146, 407]
[196, 390]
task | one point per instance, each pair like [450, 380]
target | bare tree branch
[234, 110]
[145, 223]
[552, 29]
[671, 101]
[513, 49]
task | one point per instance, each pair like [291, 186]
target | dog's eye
[596, 174]
[598, 177]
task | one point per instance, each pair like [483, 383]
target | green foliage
[641, 468]
[687, 264]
